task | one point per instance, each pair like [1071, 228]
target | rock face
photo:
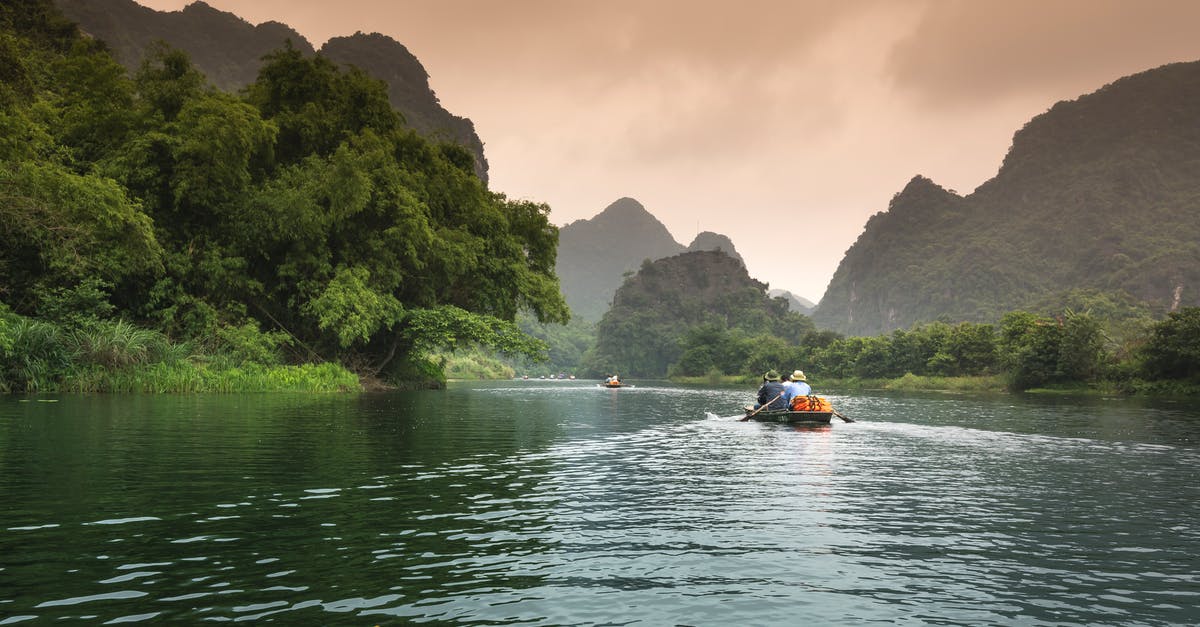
[229, 51]
[1100, 193]
[708, 240]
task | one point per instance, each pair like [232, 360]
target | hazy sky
[782, 124]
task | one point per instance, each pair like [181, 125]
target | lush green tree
[304, 210]
[1173, 350]
[63, 228]
[1037, 350]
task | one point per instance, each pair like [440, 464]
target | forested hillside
[301, 220]
[229, 51]
[1099, 193]
[683, 314]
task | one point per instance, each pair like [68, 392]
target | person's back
[772, 392]
[799, 385]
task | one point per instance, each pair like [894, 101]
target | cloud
[964, 53]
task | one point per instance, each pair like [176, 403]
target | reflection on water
[539, 502]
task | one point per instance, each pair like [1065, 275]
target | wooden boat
[787, 416]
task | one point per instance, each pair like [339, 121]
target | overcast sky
[783, 124]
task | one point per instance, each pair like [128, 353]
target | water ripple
[561, 504]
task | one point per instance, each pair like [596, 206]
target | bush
[247, 344]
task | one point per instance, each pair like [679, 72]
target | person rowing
[771, 393]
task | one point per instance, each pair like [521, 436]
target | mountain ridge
[1101, 193]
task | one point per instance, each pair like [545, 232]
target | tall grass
[36, 351]
[117, 356]
[116, 344]
[189, 378]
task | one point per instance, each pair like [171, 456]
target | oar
[841, 415]
[760, 408]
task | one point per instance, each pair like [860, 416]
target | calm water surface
[562, 503]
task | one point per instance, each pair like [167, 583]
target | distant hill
[655, 309]
[1099, 193]
[229, 50]
[594, 255]
[797, 304]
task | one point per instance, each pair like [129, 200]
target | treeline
[301, 216]
[1025, 349]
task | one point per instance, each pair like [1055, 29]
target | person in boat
[797, 385]
[771, 393]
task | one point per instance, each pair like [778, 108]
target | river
[563, 503]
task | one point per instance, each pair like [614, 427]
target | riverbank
[989, 384]
[908, 383]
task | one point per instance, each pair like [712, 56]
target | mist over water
[538, 502]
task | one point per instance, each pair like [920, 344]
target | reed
[183, 377]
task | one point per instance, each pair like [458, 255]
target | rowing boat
[788, 416]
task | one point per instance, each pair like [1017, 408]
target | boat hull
[791, 417]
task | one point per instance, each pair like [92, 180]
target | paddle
[760, 408]
[841, 415]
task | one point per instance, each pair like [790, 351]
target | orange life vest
[811, 403]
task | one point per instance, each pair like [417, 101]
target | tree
[1173, 350]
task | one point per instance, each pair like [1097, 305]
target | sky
[783, 124]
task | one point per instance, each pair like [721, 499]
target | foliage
[117, 356]
[350, 310]
[472, 365]
[247, 344]
[1173, 350]
[689, 313]
[300, 221]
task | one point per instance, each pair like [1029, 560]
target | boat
[613, 384]
[789, 416]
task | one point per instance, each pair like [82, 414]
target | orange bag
[811, 403]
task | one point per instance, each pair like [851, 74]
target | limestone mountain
[595, 255]
[229, 51]
[1099, 193]
[408, 89]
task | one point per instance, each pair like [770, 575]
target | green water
[553, 503]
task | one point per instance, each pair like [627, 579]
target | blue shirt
[792, 389]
